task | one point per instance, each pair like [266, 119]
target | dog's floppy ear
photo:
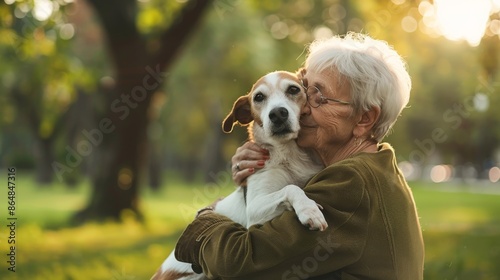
[301, 74]
[241, 113]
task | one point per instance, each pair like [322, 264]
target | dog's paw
[310, 215]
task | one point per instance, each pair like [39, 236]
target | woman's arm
[280, 247]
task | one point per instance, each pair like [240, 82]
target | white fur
[278, 186]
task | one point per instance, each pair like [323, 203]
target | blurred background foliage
[64, 62]
[55, 70]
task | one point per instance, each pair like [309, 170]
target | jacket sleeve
[283, 248]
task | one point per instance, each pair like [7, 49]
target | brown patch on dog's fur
[256, 119]
[169, 275]
[290, 76]
[298, 77]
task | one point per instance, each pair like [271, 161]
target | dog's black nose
[278, 115]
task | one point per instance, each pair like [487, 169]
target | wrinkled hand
[248, 158]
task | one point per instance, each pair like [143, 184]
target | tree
[36, 44]
[120, 136]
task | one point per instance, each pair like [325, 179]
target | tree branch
[118, 19]
[117, 16]
[177, 34]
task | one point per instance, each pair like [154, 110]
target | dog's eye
[259, 97]
[292, 90]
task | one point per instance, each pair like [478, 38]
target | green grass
[48, 249]
[461, 232]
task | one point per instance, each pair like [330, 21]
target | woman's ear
[367, 121]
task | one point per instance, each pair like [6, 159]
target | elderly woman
[356, 89]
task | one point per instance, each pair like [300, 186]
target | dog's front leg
[265, 207]
[307, 210]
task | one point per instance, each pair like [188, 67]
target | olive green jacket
[373, 233]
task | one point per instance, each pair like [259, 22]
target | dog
[272, 112]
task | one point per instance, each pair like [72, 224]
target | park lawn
[461, 231]
[47, 248]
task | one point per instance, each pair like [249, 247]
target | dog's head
[273, 104]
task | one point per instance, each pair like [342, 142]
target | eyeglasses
[315, 98]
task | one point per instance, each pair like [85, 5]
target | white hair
[376, 74]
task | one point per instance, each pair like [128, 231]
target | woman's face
[328, 127]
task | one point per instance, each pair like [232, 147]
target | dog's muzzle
[279, 120]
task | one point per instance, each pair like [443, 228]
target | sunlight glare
[459, 20]
[441, 173]
[494, 174]
[42, 10]
[496, 5]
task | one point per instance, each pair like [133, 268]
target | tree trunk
[139, 73]
[43, 150]
[44, 157]
[115, 183]
[155, 168]
[213, 150]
